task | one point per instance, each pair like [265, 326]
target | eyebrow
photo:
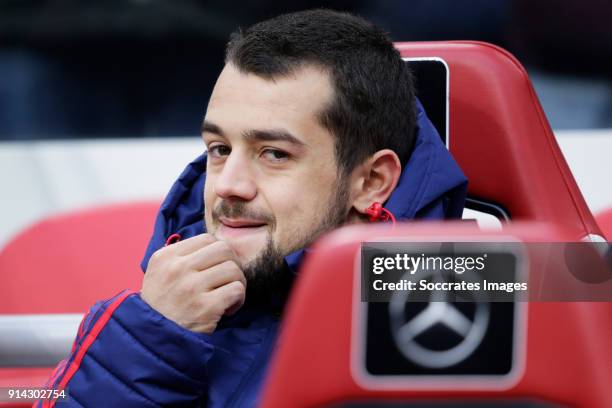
[272, 135]
[268, 135]
[210, 127]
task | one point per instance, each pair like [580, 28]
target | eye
[219, 150]
[275, 155]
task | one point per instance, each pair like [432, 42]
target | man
[312, 120]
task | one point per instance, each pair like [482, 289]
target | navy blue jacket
[128, 355]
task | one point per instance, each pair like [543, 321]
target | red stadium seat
[65, 263]
[501, 137]
[562, 349]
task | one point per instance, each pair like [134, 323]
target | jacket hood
[432, 186]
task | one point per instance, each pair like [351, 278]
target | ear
[374, 181]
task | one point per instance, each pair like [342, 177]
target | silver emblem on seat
[439, 311]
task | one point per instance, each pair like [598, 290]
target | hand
[194, 282]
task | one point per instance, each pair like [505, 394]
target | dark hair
[373, 106]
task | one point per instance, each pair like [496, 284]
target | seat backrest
[65, 263]
[332, 345]
[501, 138]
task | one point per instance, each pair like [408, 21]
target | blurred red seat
[562, 354]
[65, 263]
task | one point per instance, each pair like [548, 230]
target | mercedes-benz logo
[439, 310]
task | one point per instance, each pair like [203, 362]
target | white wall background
[38, 179]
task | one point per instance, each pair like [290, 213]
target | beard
[268, 277]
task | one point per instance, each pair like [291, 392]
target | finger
[211, 255]
[192, 244]
[217, 276]
[230, 297]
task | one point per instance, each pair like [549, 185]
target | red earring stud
[377, 212]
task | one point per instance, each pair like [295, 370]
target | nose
[235, 181]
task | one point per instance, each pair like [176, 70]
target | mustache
[239, 209]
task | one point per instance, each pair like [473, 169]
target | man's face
[272, 184]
